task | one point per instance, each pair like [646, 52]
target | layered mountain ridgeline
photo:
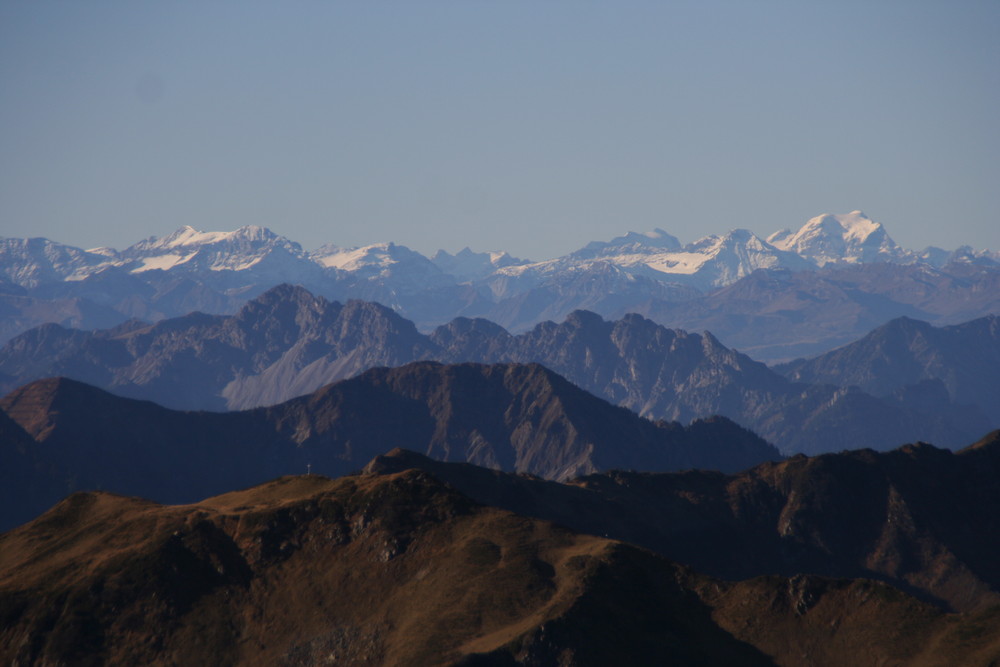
[908, 356]
[923, 519]
[284, 343]
[836, 278]
[288, 342]
[780, 315]
[111, 297]
[521, 418]
[402, 569]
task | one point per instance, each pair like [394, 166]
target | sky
[531, 127]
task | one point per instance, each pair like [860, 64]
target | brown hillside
[399, 569]
[923, 519]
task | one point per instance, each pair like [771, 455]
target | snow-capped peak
[857, 225]
[654, 241]
[353, 259]
[189, 236]
[239, 249]
[832, 238]
[467, 264]
[390, 262]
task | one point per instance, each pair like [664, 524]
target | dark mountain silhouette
[921, 518]
[907, 356]
[521, 418]
[287, 343]
[671, 374]
[402, 569]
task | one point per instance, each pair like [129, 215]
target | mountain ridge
[288, 342]
[518, 417]
[900, 355]
[422, 574]
[643, 272]
[917, 517]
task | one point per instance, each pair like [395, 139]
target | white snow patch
[686, 263]
[162, 262]
[352, 259]
[104, 251]
[224, 266]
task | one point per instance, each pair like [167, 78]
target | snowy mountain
[188, 249]
[466, 265]
[631, 243]
[652, 272]
[715, 261]
[37, 261]
[255, 251]
[382, 262]
[962, 255]
[712, 261]
[851, 238]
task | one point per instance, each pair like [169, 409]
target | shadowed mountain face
[906, 356]
[287, 343]
[923, 519]
[402, 569]
[521, 418]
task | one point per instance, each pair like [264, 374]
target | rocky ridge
[650, 273]
[288, 342]
[519, 418]
[423, 575]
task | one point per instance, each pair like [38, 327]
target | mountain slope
[783, 315]
[390, 570]
[894, 358]
[709, 262]
[669, 374]
[288, 342]
[402, 569]
[920, 518]
[211, 362]
[653, 274]
[850, 238]
[520, 418]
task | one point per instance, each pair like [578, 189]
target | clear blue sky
[532, 127]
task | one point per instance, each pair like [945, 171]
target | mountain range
[920, 518]
[59, 435]
[407, 563]
[287, 343]
[535, 462]
[850, 266]
[906, 353]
